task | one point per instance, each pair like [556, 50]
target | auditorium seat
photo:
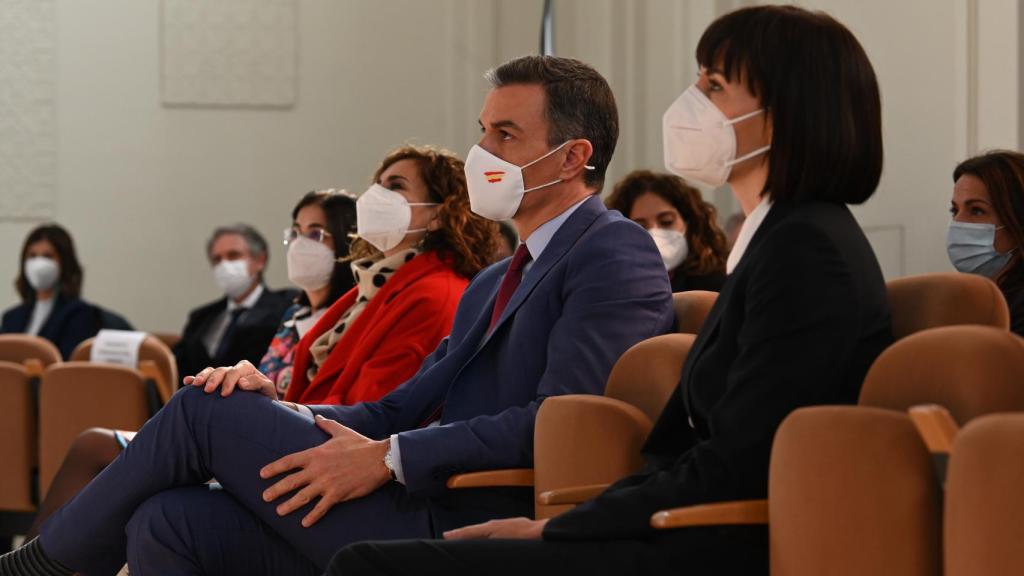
[75, 396]
[851, 492]
[692, 308]
[18, 348]
[984, 503]
[583, 442]
[945, 299]
[156, 362]
[22, 361]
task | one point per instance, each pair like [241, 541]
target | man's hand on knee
[345, 467]
[243, 376]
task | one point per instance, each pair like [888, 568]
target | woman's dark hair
[1002, 173]
[464, 240]
[708, 251]
[70, 270]
[820, 91]
[340, 221]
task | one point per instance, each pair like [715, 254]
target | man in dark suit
[240, 325]
[585, 285]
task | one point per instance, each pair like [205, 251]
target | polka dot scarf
[371, 274]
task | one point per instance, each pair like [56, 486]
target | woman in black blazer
[787, 110]
[49, 283]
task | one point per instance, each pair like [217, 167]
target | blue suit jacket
[72, 321]
[598, 288]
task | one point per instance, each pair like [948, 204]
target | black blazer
[71, 321]
[252, 336]
[797, 323]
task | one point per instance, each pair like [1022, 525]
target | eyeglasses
[316, 235]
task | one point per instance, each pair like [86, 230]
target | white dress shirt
[40, 314]
[747, 231]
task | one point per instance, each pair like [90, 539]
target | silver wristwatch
[389, 463]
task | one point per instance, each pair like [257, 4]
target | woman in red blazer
[420, 245]
[385, 346]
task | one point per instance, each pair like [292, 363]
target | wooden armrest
[936, 427]
[493, 479]
[573, 495]
[150, 371]
[717, 514]
[34, 368]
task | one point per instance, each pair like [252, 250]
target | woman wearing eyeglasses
[318, 249]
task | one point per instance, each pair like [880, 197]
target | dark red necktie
[513, 276]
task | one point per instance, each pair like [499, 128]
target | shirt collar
[750, 226]
[249, 301]
[542, 236]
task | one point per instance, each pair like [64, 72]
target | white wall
[141, 185]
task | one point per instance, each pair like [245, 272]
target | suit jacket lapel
[563, 240]
[710, 327]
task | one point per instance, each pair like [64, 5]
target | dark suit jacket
[598, 288]
[252, 336]
[798, 323]
[71, 321]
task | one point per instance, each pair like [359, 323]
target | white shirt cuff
[396, 459]
[303, 409]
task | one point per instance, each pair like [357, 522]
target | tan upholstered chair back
[692, 308]
[945, 299]
[583, 440]
[984, 522]
[852, 492]
[20, 347]
[646, 375]
[970, 370]
[76, 396]
[18, 431]
[152, 350]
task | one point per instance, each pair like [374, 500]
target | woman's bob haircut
[816, 83]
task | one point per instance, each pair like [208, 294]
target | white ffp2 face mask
[42, 273]
[672, 245]
[232, 277]
[496, 187]
[383, 217]
[699, 141]
[310, 264]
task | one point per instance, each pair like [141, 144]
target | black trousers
[715, 551]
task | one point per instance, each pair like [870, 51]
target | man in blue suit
[585, 285]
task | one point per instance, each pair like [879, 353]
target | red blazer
[402, 324]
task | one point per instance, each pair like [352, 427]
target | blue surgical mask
[971, 249]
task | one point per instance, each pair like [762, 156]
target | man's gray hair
[253, 239]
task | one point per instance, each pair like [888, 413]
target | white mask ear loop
[749, 155]
[410, 231]
[553, 182]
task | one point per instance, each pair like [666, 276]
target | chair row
[605, 434]
[48, 403]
